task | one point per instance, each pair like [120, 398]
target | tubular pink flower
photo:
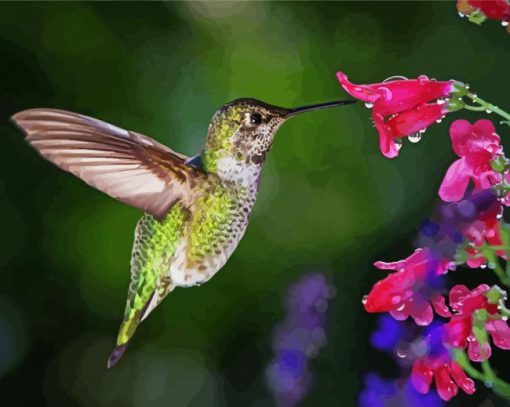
[459, 331]
[447, 374]
[405, 292]
[476, 145]
[401, 107]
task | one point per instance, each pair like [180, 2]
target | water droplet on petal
[395, 78]
[441, 101]
[396, 299]
[483, 266]
[398, 144]
[369, 105]
[414, 138]
[364, 299]
[504, 318]
[504, 23]
[401, 308]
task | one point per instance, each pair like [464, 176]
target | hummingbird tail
[116, 355]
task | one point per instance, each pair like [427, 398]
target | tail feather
[116, 355]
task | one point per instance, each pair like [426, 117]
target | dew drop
[398, 144]
[395, 78]
[504, 318]
[441, 101]
[364, 299]
[414, 138]
[483, 266]
[369, 105]
[396, 299]
[401, 308]
[504, 23]
[488, 111]
[461, 15]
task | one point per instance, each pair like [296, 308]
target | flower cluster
[469, 230]
[299, 338]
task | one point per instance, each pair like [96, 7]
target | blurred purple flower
[299, 338]
[386, 393]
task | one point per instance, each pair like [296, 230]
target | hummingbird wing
[128, 166]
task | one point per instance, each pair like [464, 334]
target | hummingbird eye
[255, 118]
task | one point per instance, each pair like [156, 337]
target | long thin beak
[309, 108]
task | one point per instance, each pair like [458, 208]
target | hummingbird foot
[116, 355]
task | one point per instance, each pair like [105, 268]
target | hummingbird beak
[310, 108]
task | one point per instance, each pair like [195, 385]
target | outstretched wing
[128, 166]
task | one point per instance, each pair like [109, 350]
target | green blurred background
[328, 200]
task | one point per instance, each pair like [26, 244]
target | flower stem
[488, 376]
[505, 280]
[488, 107]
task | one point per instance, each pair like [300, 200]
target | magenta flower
[460, 330]
[406, 292]
[437, 364]
[476, 145]
[401, 107]
[448, 376]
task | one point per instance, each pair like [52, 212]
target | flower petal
[386, 140]
[421, 376]
[446, 388]
[364, 93]
[477, 353]
[414, 120]
[456, 297]
[460, 377]
[500, 333]
[439, 304]
[455, 182]
[460, 132]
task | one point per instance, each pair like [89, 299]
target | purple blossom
[298, 339]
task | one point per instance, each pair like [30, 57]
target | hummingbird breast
[217, 223]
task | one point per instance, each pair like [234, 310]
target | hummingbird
[196, 209]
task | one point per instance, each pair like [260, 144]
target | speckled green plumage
[155, 244]
[218, 143]
[211, 224]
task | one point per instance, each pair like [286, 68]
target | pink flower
[401, 107]
[437, 364]
[476, 145]
[447, 373]
[406, 292]
[459, 331]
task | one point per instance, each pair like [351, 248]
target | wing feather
[128, 166]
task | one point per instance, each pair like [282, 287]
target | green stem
[484, 105]
[498, 270]
[488, 376]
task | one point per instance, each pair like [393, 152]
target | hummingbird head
[242, 132]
